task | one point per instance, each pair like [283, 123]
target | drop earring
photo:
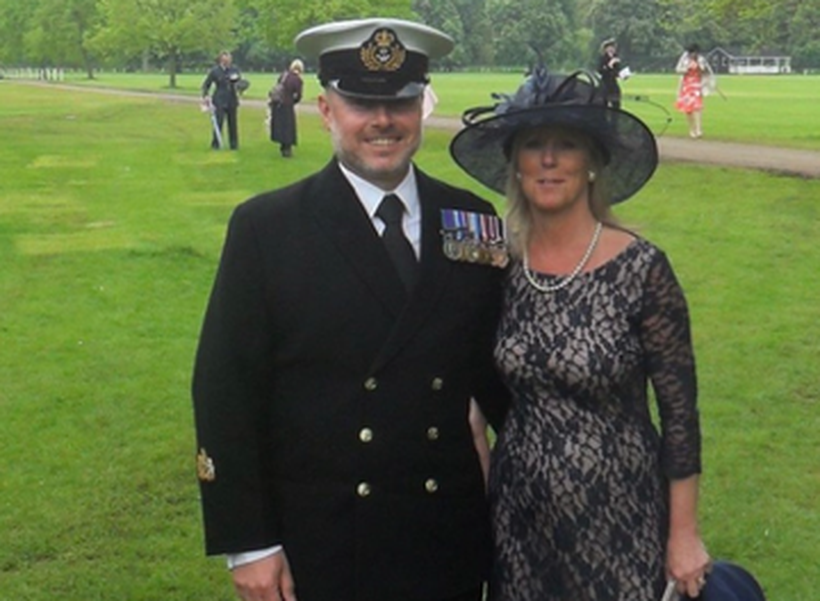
[591, 176]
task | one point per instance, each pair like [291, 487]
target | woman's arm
[686, 558]
[667, 343]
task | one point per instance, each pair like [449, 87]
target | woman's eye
[565, 144]
[555, 144]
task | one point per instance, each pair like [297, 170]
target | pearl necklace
[565, 281]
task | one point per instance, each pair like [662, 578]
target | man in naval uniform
[227, 83]
[346, 350]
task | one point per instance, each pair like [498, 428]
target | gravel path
[803, 163]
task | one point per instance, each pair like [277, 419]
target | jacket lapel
[347, 226]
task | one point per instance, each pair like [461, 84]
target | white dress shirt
[371, 196]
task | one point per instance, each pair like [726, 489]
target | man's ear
[324, 109]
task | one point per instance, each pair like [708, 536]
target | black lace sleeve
[670, 366]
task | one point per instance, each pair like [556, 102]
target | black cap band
[351, 73]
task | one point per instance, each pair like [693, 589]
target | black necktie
[390, 211]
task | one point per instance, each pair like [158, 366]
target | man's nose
[382, 115]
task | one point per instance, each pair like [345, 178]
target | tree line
[176, 35]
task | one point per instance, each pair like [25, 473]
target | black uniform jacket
[609, 77]
[334, 409]
[224, 82]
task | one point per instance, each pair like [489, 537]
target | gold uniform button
[365, 434]
[437, 384]
[432, 433]
[363, 489]
[431, 485]
[371, 384]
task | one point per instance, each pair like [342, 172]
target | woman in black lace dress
[590, 501]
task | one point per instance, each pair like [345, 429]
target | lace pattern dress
[579, 477]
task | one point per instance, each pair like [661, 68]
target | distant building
[726, 62]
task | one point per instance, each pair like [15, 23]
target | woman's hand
[688, 563]
[478, 426]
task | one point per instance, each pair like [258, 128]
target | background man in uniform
[609, 67]
[340, 352]
[228, 83]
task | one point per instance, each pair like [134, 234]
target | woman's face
[553, 167]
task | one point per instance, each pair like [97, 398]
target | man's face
[374, 139]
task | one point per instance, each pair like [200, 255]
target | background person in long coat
[283, 113]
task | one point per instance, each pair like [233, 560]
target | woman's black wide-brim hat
[482, 148]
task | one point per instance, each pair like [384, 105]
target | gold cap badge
[205, 468]
[382, 52]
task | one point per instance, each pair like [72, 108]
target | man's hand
[268, 579]
[478, 426]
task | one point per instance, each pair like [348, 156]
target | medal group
[473, 238]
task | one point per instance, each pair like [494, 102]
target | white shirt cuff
[240, 559]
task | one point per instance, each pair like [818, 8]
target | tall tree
[444, 16]
[639, 26]
[687, 21]
[59, 31]
[528, 28]
[467, 22]
[169, 29]
[16, 19]
[803, 38]
[478, 31]
[743, 24]
[281, 20]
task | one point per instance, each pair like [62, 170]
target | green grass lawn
[112, 213]
[769, 110]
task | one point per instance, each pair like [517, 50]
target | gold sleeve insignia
[205, 468]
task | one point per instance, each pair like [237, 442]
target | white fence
[49, 74]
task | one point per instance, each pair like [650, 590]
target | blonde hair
[518, 217]
[297, 65]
